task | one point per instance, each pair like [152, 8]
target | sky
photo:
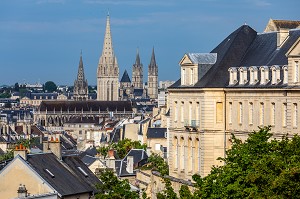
[41, 40]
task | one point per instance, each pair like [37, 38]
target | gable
[294, 51]
[185, 60]
[19, 172]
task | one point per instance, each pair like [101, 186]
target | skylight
[50, 173]
[82, 171]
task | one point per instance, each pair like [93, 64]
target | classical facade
[81, 91]
[153, 77]
[250, 79]
[108, 70]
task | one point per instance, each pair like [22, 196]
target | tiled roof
[203, 58]
[286, 24]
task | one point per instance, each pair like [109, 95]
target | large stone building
[108, 70]
[250, 79]
[108, 88]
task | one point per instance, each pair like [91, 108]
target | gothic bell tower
[137, 72]
[108, 70]
[153, 77]
[80, 91]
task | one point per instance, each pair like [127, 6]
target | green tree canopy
[50, 86]
[260, 167]
[157, 163]
[114, 188]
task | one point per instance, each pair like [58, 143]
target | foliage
[185, 192]
[124, 146]
[5, 95]
[168, 192]
[50, 86]
[257, 168]
[7, 156]
[103, 150]
[16, 87]
[157, 163]
[112, 187]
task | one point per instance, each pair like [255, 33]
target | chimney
[53, 145]
[129, 167]
[21, 150]
[22, 191]
[111, 161]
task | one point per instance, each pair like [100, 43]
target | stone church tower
[81, 91]
[153, 78]
[137, 72]
[108, 70]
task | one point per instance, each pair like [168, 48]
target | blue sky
[41, 40]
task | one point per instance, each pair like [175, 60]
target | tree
[124, 146]
[157, 163]
[260, 167]
[112, 187]
[50, 86]
[17, 87]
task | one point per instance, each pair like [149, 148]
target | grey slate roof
[244, 47]
[66, 179]
[125, 77]
[203, 58]
[139, 155]
[156, 132]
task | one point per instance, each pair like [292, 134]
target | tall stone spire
[137, 72]
[80, 91]
[108, 69]
[153, 77]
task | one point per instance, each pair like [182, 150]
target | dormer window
[243, 75]
[232, 75]
[183, 77]
[275, 74]
[192, 76]
[264, 74]
[253, 75]
[285, 74]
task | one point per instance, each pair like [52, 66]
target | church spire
[137, 60]
[153, 61]
[80, 74]
[80, 91]
[107, 45]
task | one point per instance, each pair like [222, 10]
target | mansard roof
[125, 77]
[85, 106]
[244, 47]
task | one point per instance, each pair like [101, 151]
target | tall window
[262, 113]
[183, 77]
[285, 74]
[273, 114]
[296, 71]
[175, 112]
[219, 112]
[250, 113]
[295, 116]
[230, 113]
[190, 113]
[240, 112]
[192, 76]
[198, 113]
[284, 115]
[182, 112]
